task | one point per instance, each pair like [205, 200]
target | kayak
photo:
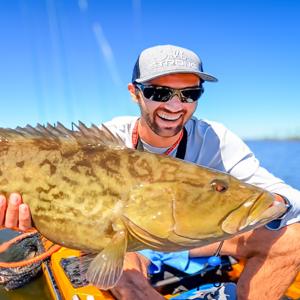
[62, 276]
[67, 284]
[61, 271]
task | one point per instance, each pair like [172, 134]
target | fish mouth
[243, 218]
[274, 211]
[240, 218]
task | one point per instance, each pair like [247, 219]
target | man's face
[167, 119]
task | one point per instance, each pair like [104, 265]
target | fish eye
[219, 185]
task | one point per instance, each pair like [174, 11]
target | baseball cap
[167, 59]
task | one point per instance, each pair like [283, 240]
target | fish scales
[87, 191]
[39, 164]
[51, 182]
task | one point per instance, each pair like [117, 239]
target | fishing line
[217, 253]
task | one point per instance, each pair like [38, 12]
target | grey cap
[167, 59]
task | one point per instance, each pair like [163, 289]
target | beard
[165, 131]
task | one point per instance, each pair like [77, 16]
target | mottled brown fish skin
[63, 184]
[80, 194]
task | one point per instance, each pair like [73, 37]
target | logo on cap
[175, 58]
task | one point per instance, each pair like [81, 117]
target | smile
[169, 117]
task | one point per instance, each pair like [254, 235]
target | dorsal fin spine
[93, 135]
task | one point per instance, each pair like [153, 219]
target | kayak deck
[59, 283]
[65, 283]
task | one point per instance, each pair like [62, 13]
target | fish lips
[270, 213]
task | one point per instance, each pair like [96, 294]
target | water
[281, 158]
[36, 290]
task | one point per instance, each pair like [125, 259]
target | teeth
[168, 117]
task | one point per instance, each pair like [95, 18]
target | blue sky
[71, 60]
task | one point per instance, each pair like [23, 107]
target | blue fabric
[274, 225]
[179, 260]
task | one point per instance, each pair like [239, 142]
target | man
[167, 81]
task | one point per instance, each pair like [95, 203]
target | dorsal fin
[98, 135]
[83, 135]
[45, 131]
[7, 133]
[61, 131]
[109, 135]
[29, 131]
[64, 130]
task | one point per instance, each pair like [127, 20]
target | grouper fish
[88, 191]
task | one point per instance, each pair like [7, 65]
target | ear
[132, 90]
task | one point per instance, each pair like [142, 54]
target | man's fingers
[24, 217]
[136, 261]
[2, 209]
[12, 213]
[133, 283]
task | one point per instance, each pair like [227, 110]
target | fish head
[218, 205]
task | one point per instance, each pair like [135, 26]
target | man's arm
[246, 167]
[134, 283]
[14, 213]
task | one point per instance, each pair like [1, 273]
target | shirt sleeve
[241, 162]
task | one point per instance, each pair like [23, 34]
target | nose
[174, 104]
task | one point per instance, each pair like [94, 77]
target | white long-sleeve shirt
[212, 145]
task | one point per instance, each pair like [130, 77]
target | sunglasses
[164, 94]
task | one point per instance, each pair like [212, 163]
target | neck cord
[181, 142]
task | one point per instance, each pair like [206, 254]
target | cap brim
[207, 77]
[202, 75]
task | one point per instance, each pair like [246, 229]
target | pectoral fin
[106, 268]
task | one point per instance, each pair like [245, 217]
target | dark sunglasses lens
[192, 95]
[148, 92]
[157, 93]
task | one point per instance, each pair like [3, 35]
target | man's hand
[14, 213]
[134, 283]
